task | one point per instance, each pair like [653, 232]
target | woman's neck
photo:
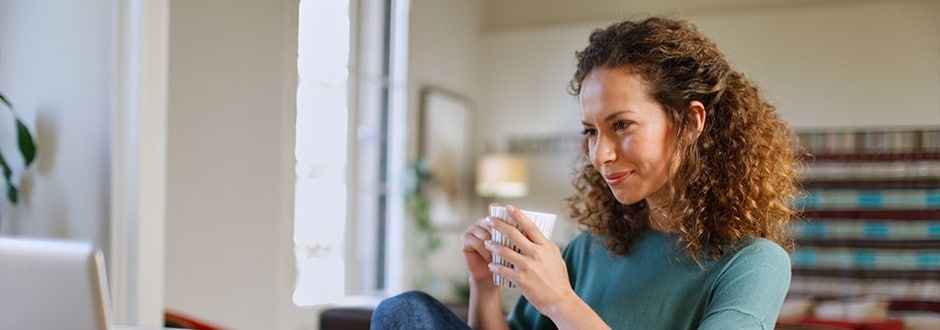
[658, 219]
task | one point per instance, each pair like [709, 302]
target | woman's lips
[614, 179]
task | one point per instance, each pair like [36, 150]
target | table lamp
[501, 175]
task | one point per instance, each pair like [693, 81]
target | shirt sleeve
[749, 292]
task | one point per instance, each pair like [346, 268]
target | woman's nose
[605, 151]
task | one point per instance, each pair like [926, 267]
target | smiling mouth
[616, 178]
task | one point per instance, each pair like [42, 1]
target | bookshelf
[870, 225]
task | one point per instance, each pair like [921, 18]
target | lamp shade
[501, 175]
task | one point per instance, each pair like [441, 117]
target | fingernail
[511, 208]
[488, 220]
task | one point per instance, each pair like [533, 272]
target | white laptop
[46, 284]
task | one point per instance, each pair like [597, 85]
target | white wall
[56, 68]
[230, 146]
[70, 76]
[443, 53]
[868, 64]
[232, 82]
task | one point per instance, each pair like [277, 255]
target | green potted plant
[26, 148]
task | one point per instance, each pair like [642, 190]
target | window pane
[321, 146]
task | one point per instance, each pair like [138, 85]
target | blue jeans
[415, 310]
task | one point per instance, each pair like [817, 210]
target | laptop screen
[46, 284]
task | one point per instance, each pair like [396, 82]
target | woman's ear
[697, 109]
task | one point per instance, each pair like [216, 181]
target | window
[350, 144]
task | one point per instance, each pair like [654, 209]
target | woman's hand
[485, 311]
[538, 270]
[475, 253]
[539, 273]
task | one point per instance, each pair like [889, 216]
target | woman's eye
[589, 132]
[621, 125]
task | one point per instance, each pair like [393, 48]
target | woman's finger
[472, 243]
[504, 252]
[481, 230]
[512, 233]
[503, 271]
[526, 225]
[474, 238]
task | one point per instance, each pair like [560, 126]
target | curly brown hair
[735, 182]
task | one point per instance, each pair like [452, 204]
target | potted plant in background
[26, 148]
[417, 179]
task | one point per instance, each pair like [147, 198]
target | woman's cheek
[592, 154]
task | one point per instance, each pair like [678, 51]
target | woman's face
[629, 137]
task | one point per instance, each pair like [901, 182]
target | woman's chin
[627, 198]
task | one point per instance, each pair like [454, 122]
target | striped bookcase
[870, 224]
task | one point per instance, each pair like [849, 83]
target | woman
[685, 193]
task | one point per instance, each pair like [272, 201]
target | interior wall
[231, 96]
[849, 65]
[56, 68]
[444, 44]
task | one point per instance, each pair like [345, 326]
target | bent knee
[406, 301]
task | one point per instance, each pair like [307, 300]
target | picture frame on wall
[444, 146]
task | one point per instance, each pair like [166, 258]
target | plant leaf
[5, 101]
[12, 194]
[7, 174]
[27, 146]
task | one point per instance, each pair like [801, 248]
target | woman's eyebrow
[609, 117]
[614, 115]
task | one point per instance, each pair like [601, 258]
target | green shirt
[655, 286]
